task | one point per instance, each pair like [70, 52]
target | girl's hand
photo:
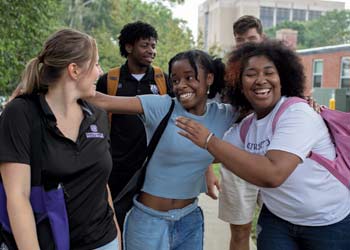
[193, 131]
[313, 104]
[212, 182]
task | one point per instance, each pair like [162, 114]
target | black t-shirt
[128, 136]
[82, 167]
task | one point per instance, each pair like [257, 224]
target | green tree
[214, 50]
[298, 26]
[173, 36]
[330, 29]
[24, 25]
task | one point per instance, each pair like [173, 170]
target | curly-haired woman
[305, 206]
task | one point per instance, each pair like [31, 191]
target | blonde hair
[60, 49]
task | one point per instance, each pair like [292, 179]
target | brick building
[327, 67]
[215, 17]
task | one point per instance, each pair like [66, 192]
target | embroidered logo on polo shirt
[154, 89]
[94, 132]
[93, 128]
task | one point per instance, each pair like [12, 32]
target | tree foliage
[214, 50]
[25, 25]
[173, 36]
[329, 29]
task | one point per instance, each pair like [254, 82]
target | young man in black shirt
[137, 43]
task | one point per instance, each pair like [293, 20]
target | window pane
[317, 81]
[318, 67]
[345, 83]
[313, 14]
[299, 15]
[266, 16]
[282, 15]
[345, 67]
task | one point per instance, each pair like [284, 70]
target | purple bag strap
[286, 104]
[245, 127]
[248, 121]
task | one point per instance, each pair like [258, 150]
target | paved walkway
[217, 232]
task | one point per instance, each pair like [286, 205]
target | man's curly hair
[286, 61]
[132, 32]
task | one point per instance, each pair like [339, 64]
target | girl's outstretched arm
[117, 104]
[269, 170]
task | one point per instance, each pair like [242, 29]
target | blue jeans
[275, 233]
[113, 245]
[177, 229]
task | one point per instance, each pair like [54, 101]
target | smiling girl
[305, 206]
[166, 214]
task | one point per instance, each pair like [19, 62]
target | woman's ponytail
[31, 76]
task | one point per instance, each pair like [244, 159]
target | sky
[189, 12]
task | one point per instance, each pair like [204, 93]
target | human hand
[212, 182]
[313, 104]
[193, 131]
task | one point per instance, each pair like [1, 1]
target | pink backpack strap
[290, 101]
[245, 127]
[248, 121]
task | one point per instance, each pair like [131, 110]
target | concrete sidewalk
[217, 232]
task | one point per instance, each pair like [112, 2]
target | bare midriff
[163, 204]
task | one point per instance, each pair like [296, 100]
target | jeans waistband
[172, 215]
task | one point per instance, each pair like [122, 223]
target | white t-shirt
[311, 195]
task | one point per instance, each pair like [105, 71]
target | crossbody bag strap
[158, 134]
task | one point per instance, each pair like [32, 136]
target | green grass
[216, 168]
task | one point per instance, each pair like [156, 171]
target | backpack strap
[248, 121]
[290, 101]
[159, 78]
[245, 127]
[113, 80]
[112, 86]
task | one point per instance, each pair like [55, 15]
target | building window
[314, 14]
[266, 16]
[317, 73]
[345, 72]
[299, 15]
[283, 14]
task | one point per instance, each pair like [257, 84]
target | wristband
[207, 140]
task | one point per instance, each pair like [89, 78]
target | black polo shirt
[83, 167]
[128, 136]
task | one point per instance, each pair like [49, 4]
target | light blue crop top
[177, 168]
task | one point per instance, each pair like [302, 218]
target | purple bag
[49, 206]
[339, 128]
[46, 205]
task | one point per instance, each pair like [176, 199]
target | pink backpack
[339, 127]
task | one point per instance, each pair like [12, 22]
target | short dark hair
[198, 58]
[132, 32]
[287, 62]
[246, 22]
